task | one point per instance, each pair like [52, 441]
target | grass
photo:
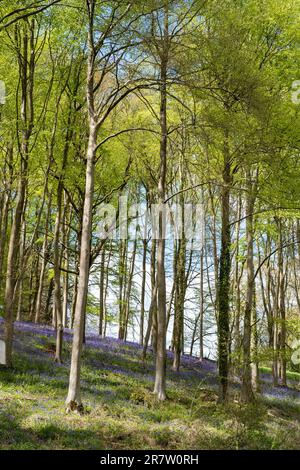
[289, 374]
[121, 412]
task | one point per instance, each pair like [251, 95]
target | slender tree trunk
[129, 286]
[247, 394]
[215, 250]
[4, 212]
[73, 401]
[254, 346]
[21, 255]
[152, 321]
[122, 286]
[277, 338]
[106, 283]
[74, 298]
[282, 336]
[26, 70]
[224, 278]
[179, 305]
[38, 304]
[143, 286]
[57, 280]
[201, 313]
[34, 286]
[101, 291]
[238, 274]
[180, 288]
[58, 252]
[11, 268]
[160, 362]
[153, 306]
[193, 339]
[48, 301]
[66, 232]
[74, 396]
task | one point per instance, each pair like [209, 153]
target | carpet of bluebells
[121, 412]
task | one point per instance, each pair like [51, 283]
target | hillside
[121, 411]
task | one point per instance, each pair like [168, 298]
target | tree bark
[153, 305]
[201, 313]
[101, 291]
[160, 365]
[73, 400]
[247, 394]
[224, 278]
[26, 59]
[38, 304]
[143, 286]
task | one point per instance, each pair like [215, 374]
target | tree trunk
[57, 281]
[66, 233]
[21, 257]
[101, 291]
[73, 400]
[153, 305]
[26, 59]
[38, 304]
[74, 397]
[179, 305]
[5, 211]
[247, 394]
[144, 272]
[281, 275]
[201, 313]
[129, 286]
[160, 365]
[224, 278]
[122, 286]
[238, 276]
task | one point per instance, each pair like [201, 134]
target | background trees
[179, 102]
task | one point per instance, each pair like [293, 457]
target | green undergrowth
[289, 374]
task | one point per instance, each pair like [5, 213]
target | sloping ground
[121, 410]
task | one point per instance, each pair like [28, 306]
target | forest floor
[121, 412]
